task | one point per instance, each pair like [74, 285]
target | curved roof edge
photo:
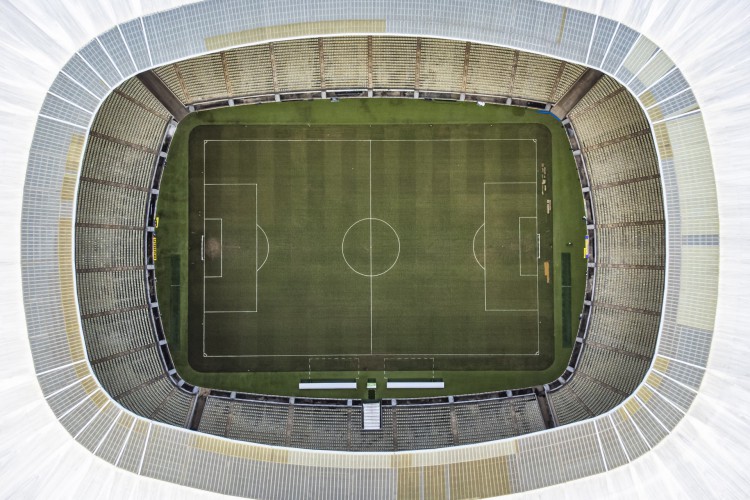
[686, 166]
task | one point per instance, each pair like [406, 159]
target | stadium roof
[704, 455]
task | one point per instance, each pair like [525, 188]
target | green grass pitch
[327, 247]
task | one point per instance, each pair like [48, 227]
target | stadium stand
[404, 427]
[441, 65]
[393, 63]
[623, 171]
[497, 419]
[345, 63]
[418, 427]
[624, 330]
[116, 162]
[620, 163]
[490, 70]
[376, 63]
[297, 65]
[640, 245]
[249, 70]
[264, 422]
[110, 205]
[114, 333]
[117, 172]
[203, 78]
[319, 427]
[97, 247]
[567, 406]
[536, 77]
[140, 446]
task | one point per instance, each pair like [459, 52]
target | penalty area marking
[357, 355]
[268, 247]
[474, 246]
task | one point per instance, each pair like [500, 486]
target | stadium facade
[687, 415]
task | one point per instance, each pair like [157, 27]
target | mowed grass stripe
[424, 183]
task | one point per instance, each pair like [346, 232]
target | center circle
[371, 247]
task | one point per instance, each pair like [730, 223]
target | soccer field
[355, 248]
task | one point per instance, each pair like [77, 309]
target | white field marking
[227, 312]
[221, 247]
[370, 141]
[256, 247]
[474, 246]
[520, 270]
[536, 230]
[399, 245]
[538, 250]
[230, 184]
[203, 318]
[484, 240]
[268, 246]
[398, 254]
[479, 354]
[511, 310]
[361, 140]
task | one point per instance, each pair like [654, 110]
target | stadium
[377, 250]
